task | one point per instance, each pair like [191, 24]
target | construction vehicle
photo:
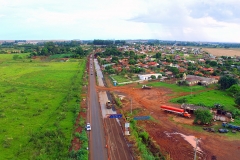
[146, 87]
[108, 105]
[175, 110]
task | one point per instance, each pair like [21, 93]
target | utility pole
[191, 90]
[195, 152]
[131, 105]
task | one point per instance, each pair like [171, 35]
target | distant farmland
[222, 51]
[39, 102]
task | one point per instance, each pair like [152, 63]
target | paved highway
[97, 140]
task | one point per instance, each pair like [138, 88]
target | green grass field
[176, 88]
[205, 97]
[209, 98]
[39, 103]
[121, 78]
[8, 57]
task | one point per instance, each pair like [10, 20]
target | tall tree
[203, 116]
[158, 55]
[226, 82]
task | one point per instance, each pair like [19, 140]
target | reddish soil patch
[76, 142]
[149, 101]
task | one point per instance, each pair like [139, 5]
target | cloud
[192, 20]
[125, 19]
[225, 11]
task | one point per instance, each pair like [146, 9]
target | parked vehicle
[108, 105]
[221, 130]
[88, 127]
[209, 129]
[231, 126]
[175, 110]
[146, 87]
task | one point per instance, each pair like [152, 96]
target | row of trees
[51, 48]
[108, 42]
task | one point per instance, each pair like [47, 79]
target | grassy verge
[82, 153]
[145, 146]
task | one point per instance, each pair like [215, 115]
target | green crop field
[39, 102]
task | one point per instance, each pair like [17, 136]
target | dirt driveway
[171, 132]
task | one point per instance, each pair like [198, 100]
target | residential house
[64, 59]
[148, 76]
[210, 70]
[194, 80]
[142, 65]
[177, 57]
[152, 64]
[201, 60]
[169, 74]
[181, 70]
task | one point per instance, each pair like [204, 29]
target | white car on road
[88, 127]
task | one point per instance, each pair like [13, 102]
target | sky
[180, 20]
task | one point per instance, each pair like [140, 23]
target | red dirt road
[167, 126]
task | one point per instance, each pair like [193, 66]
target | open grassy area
[209, 98]
[39, 103]
[176, 88]
[121, 78]
[4, 57]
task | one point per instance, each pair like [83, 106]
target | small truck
[146, 87]
[108, 105]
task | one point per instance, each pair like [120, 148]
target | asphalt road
[97, 140]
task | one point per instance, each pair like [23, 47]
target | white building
[148, 76]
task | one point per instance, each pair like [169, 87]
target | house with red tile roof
[153, 64]
[182, 70]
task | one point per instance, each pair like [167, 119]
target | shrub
[182, 100]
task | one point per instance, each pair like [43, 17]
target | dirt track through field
[149, 101]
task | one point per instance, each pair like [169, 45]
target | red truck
[175, 110]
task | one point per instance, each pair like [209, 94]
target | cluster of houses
[200, 75]
[145, 49]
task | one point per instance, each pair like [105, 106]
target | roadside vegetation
[39, 105]
[145, 146]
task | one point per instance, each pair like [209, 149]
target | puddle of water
[190, 139]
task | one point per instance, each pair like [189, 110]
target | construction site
[174, 134]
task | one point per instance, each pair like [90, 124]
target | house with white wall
[146, 77]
